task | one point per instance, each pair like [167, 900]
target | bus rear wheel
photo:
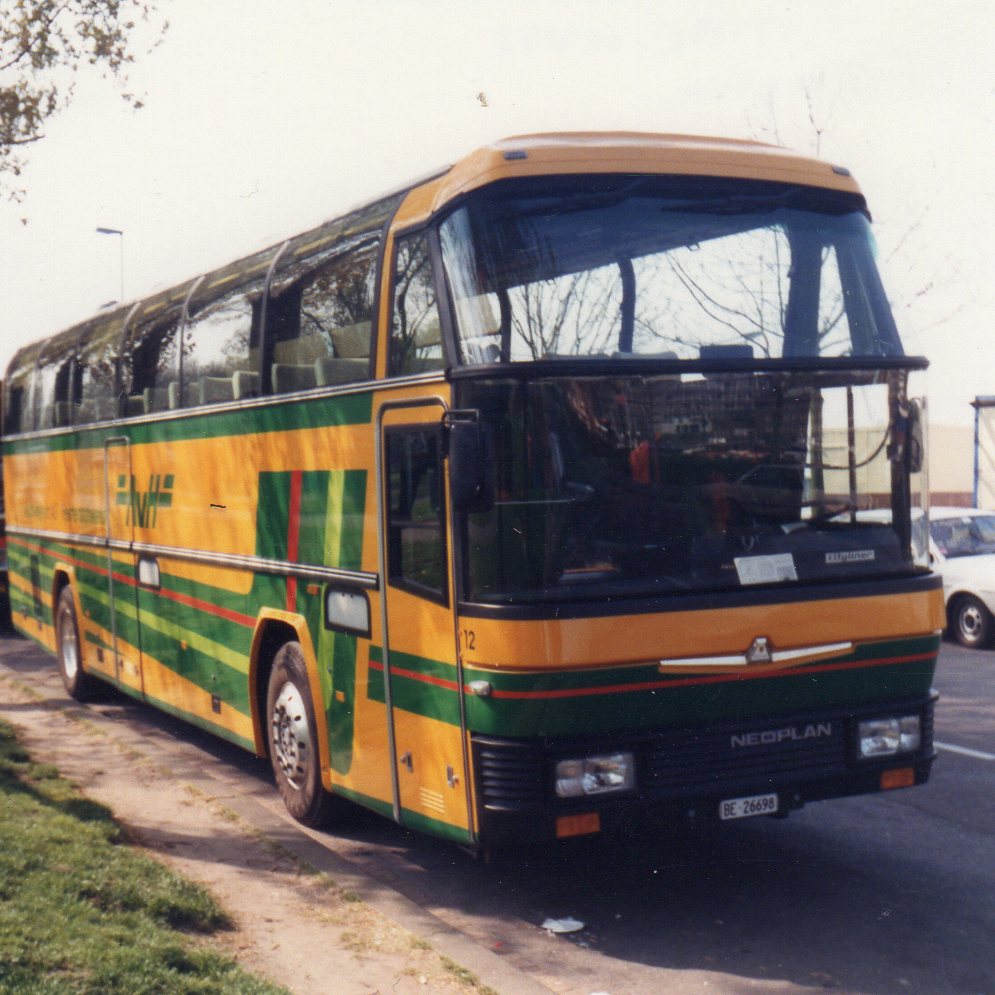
[293, 740]
[77, 682]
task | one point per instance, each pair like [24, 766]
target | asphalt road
[890, 893]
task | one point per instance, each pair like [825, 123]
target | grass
[466, 977]
[82, 912]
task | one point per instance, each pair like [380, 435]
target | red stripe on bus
[439, 682]
[184, 599]
[228, 614]
[712, 679]
[657, 685]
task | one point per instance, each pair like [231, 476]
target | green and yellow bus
[4, 587]
[568, 488]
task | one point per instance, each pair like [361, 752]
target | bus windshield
[666, 267]
[634, 485]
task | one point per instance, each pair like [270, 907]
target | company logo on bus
[760, 651]
[143, 506]
[787, 734]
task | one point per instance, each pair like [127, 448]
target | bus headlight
[597, 775]
[887, 737]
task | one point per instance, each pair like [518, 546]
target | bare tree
[567, 316]
[918, 279]
[43, 43]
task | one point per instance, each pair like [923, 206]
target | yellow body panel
[620, 639]
[370, 772]
[435, 748]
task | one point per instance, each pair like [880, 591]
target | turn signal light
[578, 825]
[900, 777]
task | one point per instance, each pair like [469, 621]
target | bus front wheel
[77, 682]
[293, 739]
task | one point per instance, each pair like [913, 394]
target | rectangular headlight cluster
[888, 737]
[595, 775]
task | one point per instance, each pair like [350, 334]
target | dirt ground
[312, 932]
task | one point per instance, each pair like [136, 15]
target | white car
[962, 546]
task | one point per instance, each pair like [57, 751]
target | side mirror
[471, 465]
[914, 442]
[907, 436]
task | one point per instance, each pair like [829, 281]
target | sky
[262, 120]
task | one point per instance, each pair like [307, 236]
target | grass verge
[82, 912]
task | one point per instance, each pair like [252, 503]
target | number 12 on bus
[577, 486]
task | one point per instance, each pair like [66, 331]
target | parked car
[962, 549]
[962, 545]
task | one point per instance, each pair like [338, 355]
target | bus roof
[553, 153]
[621, 152]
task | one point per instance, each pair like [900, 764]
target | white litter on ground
[567, 925]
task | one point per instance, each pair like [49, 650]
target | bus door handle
[407, 761]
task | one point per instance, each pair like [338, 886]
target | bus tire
[293, 739]
[77, 682]
[972, 622]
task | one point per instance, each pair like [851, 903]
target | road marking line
[977, 754]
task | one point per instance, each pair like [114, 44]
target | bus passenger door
[120, 658]
[422, 687]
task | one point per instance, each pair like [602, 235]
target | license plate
[743, 808]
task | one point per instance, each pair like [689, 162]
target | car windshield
[966, 535]
[663, 267]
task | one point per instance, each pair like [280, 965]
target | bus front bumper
[712, 773]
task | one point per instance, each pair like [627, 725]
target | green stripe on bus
[216, 668]
[418, 685]
[412, 820]
[206, 724]
[343, 547]
[172, 633]
[286, 414]
[674, 701]
[353, 520]
[556, 703]
[425, 824]
[341, 701]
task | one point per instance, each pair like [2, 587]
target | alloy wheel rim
[67, 641]
[291, 735]
[970, 621]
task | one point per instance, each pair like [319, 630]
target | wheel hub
[971, 621]
[291, 736]
[67, 644]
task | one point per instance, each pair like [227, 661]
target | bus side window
[14, 417]
[20, 391]
[62, 404]
[221, 349]
[54, 384]
[96, 388]
[415, 336]
[154, 364]
[416, 547]
[322, 322]
[45, 377]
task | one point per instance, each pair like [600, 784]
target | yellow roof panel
[621, 152]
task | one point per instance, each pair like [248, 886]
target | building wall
[951, 466]
[950, 458]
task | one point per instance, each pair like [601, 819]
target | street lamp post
[120, 234]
